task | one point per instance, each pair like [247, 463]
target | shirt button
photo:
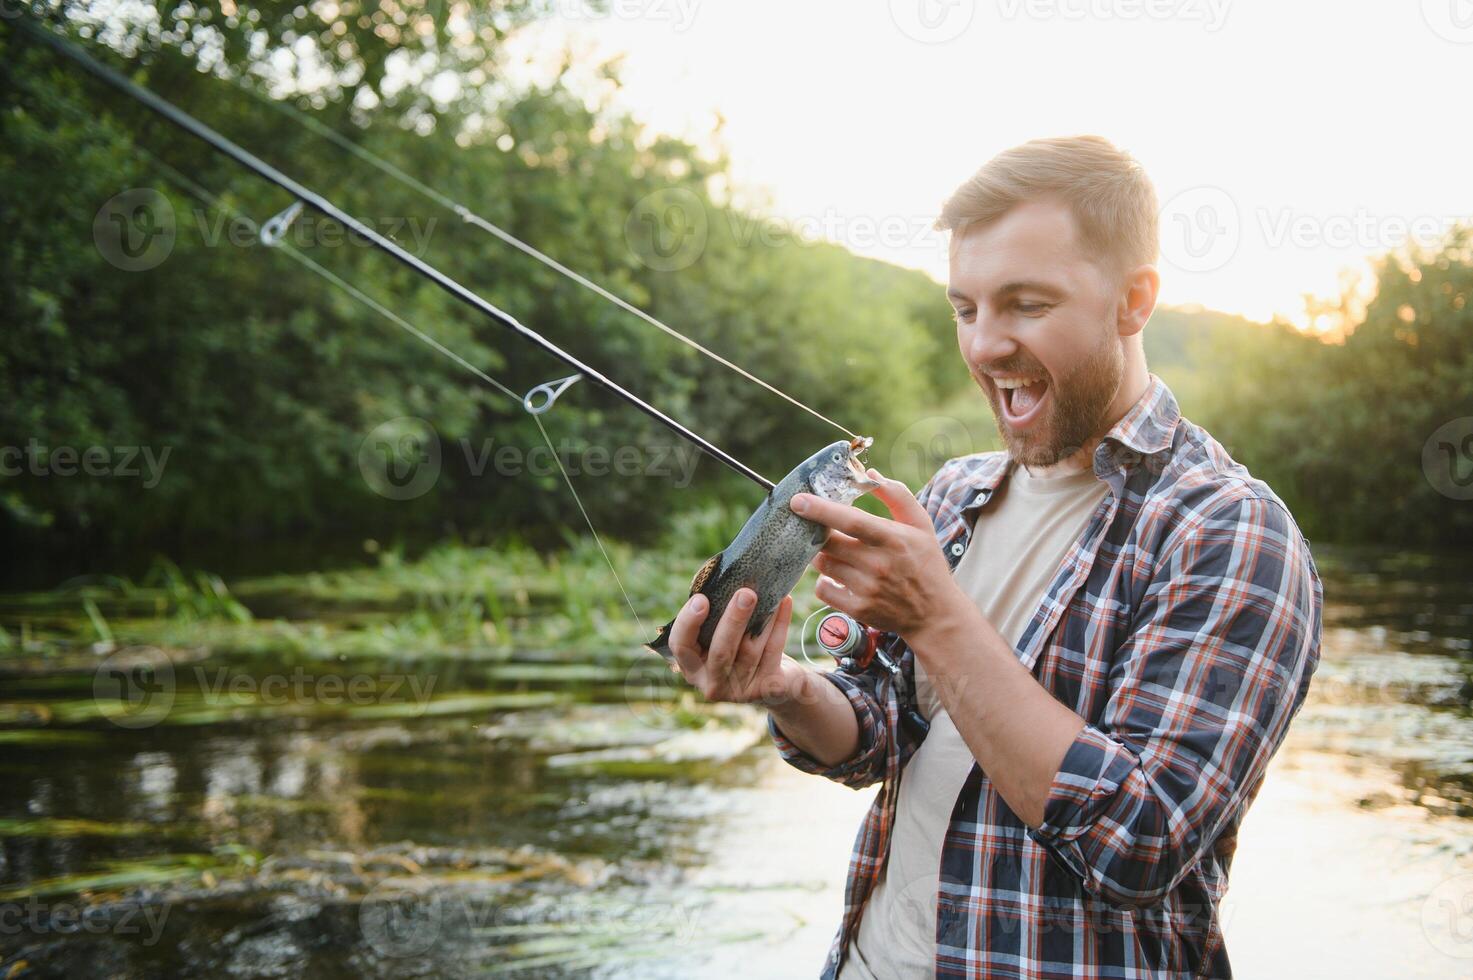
[957, 549]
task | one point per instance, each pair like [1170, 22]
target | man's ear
[1138, 300]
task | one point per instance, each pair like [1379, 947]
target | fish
[773, 549]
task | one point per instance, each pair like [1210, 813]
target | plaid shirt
[1183, 626]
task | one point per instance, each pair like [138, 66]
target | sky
[1290, 142]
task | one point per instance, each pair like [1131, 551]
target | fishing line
[589, 521]
[325, 207]
[803, 634]
[472, 218]
[327, 275]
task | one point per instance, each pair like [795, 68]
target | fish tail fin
[661, 643]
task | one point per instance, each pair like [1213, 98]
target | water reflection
[592, 838]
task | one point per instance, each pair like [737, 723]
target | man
[1108, 626]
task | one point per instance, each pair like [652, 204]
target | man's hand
[738, 667]
[889, 574]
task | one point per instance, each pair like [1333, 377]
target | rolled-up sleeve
[867, 766]
[1222, 648]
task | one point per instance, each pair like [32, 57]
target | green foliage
[256, 385]
[1339, 430]
[262, 383]
[192, 598]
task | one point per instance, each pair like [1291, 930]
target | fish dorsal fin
[707, 572]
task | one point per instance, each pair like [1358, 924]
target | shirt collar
[1150, 423]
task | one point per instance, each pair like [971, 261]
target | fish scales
[775, 546]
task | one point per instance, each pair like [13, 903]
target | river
[530, 819]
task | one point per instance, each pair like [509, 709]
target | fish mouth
[856, 468]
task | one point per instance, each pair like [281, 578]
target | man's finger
[831, 593]
[844, 546]
[684, 639]
[854, 579]
[841, 517]
[749, 659]
[846, 573]
[728, 636]
[777, 642]
[901, 503]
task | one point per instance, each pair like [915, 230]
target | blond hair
[1109, 193]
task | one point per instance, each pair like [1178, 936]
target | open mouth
[856, 468]
[1022, 398]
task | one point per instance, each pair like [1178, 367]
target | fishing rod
[320, 204]
[491, 228]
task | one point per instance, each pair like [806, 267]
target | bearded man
[1108, 625]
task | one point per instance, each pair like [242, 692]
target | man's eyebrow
[1029, 285]
[1009, 288]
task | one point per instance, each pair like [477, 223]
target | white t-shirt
[1020, 540]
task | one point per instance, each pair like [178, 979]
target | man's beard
[1076, 408]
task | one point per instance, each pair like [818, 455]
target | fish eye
[838, 457]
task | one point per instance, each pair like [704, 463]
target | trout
[774, 547]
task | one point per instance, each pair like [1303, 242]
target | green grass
[485, 603]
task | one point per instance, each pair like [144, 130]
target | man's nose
[987, 341]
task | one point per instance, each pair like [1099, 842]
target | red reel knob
[845, 638]
[834, 632]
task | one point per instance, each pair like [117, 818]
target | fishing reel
[848, 641]
[856, 648]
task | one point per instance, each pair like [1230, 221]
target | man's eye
[1033, 309]
[963, 316]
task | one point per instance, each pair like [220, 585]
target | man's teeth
[1015, 382]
